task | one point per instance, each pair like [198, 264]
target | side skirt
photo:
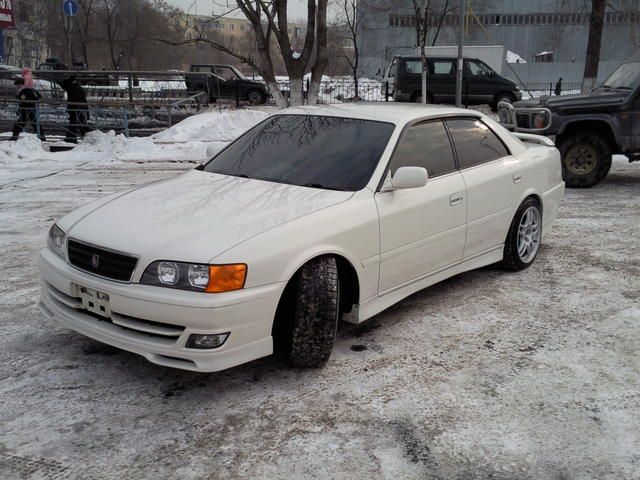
[375, 305]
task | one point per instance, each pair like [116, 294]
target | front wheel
[256, 97]
[524, 237]
[586, 159]
[307, 319]
[502, 97]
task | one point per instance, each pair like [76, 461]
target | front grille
[116, 266]
[524, 120]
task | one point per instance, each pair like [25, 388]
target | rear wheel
[524, 237]
[586, 159]
[307, 318]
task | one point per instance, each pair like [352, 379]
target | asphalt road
[489, 375]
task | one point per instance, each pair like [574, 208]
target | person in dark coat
[28, 97]
[77, 109]
[558, 89]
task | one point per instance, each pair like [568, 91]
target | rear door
[422, 230]
[442, 80]
[493, 180]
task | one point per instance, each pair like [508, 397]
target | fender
[562, 123]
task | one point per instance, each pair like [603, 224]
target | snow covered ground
[529, 375]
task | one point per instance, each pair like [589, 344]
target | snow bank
[513, 57]
[187, 141]
[216, 126]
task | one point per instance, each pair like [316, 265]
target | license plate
[94, 301]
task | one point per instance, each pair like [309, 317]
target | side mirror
[406, 177]
[492, 73]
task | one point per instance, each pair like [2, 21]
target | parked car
[481, 84]
[56, 71]
[588, 129]
[314, 215]
[9, 74]
[225, 81]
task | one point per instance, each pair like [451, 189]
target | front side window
[475, 143]
[425, 145]
[413, 66]
[478, 68]
[307, 150]
[225, 73]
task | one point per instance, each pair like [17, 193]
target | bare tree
[350, 15]
[84, 23]
[596, 22]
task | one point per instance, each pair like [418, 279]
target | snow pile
[513, 57]
[192, 140]
[215, 126]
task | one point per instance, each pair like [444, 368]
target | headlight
[195, 276]
[56, 240]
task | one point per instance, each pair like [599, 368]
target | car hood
[196, 216]
[592, 102]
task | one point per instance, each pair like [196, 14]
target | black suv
[588, 129]
[225, 81]
[480, 83]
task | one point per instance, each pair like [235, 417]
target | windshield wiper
[324, 187]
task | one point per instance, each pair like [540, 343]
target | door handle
[456, 199]
[517, 178]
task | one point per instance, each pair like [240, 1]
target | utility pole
[460, 59]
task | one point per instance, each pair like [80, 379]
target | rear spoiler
[531, 138]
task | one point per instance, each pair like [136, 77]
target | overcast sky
[297, 8]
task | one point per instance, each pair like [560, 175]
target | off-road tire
[595, 143]
[502, 97]
[307, 318]
[511, 260]
[256, 97]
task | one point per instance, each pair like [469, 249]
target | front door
[422, 230]
[634, 124]
[479, 84]
[494, 182]
[228, 85]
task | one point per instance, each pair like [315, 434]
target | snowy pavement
[529, 375]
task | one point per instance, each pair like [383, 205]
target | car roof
[399, 114]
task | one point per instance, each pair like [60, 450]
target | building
[551, 36]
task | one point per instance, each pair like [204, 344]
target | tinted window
[425, 145]
[475, 143]
[443, 67]
[477, 68]
[308, 150]
[413, 66]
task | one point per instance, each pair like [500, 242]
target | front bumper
[156, 322]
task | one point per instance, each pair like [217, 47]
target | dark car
[56, 71]
[481, 84]
[225, 81]
[588, 129]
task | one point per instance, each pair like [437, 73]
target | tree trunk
[296, 94]
[596, 22]
[321, 62]
[423, 57]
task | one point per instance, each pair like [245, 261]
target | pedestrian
[28, 96]
[77, 109]
[558, 89]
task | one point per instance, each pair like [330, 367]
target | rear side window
[425, 145]
[475, 142]
[443, 67]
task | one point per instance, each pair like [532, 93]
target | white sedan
[314, 215]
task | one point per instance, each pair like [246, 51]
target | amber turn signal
[226, 278]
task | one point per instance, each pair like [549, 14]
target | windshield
[307, 150]
[626, 77]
